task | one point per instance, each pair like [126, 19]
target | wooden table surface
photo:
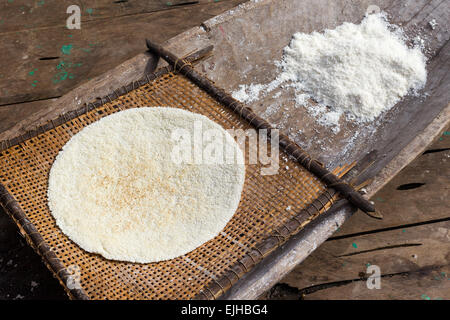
[411, 245]
[43, 60]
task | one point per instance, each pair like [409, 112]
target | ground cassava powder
[359, 70]
[115, 189]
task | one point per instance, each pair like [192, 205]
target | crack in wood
[403, 226]
[381, 248]
[48, 58]
[435, 150]
[301, 293]
[6, 105]
[409, 186]
[184, 4]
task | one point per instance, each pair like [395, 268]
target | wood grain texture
[395, 136]
[425, 284]
[403, 207]
[396, 251]
[277, 265]
[413, 237]
[19, 15]
[75, 56]
[400, 139]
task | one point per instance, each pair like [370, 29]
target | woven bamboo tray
[271, 210]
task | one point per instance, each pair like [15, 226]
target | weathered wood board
[407, 199]
[46, 60]
[19, 15]
[431, 283]
[399, 137]
[396, 251]
[410, 242]
[424, 284]
[265, 27]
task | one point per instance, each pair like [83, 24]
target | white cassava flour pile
[359, 70]
[115, 190]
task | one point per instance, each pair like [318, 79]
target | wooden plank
[16, 115]
[431, 283]
[273, 268]
[220, 36]
[74, 56]
[416, 127]
[397, 251]
[298, 248]
[402, 250]
[421, 203]
[19, 15]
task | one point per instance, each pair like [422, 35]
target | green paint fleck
[65, 49]
[63, 74]
[354, 245]
[60, 76]
[40, 3]
[34, 83]
[368, 264]
[441, 276]
[379, 199]
[446, 133]
[440, 139]
[86, 49]
[60, 65]
[425, 297]
[169, 3]
[89, 10]
[70, 36]
[403, 230]
[216, 0]
[32, 72]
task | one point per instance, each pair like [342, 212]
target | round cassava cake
[119, 189]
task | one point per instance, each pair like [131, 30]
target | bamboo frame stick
[332, 181]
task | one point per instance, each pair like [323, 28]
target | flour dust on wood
[357, 71]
